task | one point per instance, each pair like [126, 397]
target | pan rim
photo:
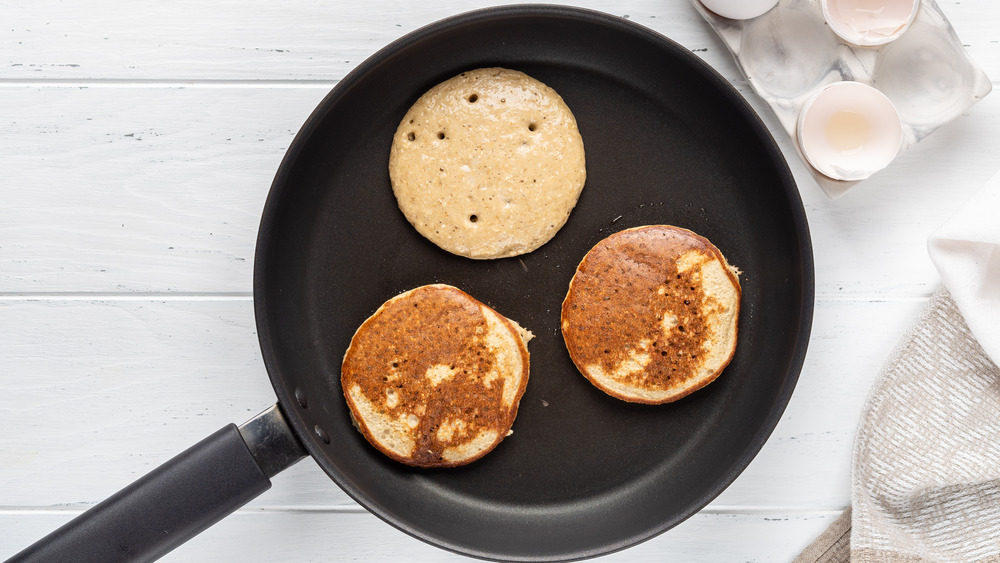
[485, 15]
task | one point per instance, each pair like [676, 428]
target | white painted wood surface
[137, 144]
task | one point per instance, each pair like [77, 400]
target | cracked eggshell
[739, 9]
[869, 22]
[849, 130]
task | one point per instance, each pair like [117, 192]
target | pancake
[434, 377]
[488, 164]
[651, 314]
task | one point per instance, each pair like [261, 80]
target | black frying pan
[667, 141]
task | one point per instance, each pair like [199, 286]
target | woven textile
[926, 473]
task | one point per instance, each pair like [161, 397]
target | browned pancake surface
[632, 311]
[426, 359]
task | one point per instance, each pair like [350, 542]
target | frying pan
[668, 141]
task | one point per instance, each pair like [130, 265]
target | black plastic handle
[177, 500]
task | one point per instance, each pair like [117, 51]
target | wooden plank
[98, 393]
[139, 189]
[253, 40]
[159, 189]
[332, 536]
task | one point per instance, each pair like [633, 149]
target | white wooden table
[138, 141]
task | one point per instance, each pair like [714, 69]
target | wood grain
[262, 536]
[247, 41]
[299, 41]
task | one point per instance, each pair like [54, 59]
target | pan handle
[179, 499]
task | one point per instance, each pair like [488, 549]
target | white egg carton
[790, 53]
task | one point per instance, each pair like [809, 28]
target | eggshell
[869, 22]
[859, 113]
[739, 9]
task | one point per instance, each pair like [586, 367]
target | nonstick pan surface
[668, 141]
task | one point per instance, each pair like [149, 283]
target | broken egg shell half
[869, 23]
[849, 131]
[739, 9]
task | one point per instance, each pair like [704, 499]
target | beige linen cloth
[926, 463]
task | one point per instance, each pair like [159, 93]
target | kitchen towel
[926, 460]
[926, 474]
[966, 252]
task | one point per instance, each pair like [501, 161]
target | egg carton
[790, 53]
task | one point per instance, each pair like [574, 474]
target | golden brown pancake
[651, 314]
[434, 377]
[488, 164]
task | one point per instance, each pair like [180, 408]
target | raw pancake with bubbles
[488, 164]
[651, 314]
[434, 377]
